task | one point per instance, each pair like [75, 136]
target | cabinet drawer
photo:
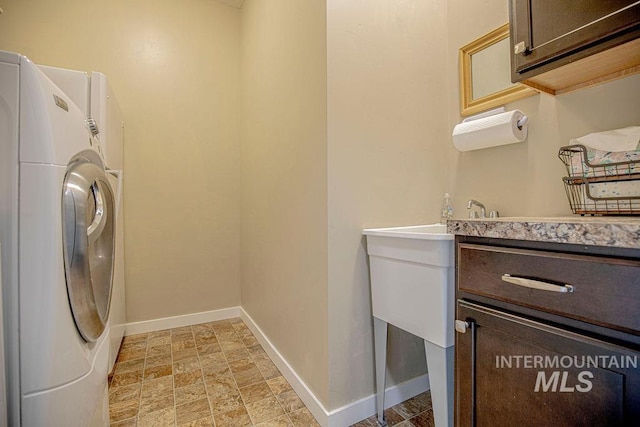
[598, 290]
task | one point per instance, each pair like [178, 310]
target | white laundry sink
[412, 284]
[412, 287]
[428, 232]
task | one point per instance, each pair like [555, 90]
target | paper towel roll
[499, 129]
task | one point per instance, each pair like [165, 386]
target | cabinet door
[550, 30]
[512, 371]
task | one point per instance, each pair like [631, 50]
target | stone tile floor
[216, 374]
[414, 412]
[212, 374]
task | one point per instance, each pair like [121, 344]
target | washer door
[88, 227]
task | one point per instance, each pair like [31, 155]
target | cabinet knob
[519, 48]
[462, 326]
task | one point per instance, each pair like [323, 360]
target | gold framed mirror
[485, 79]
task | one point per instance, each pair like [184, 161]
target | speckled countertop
[623, 232]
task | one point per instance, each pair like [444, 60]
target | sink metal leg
[440, 367]
[380, 344]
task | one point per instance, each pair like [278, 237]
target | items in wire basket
[615, 189]
[624, 139]
[602, 182]
[584, 202]
[582, 161]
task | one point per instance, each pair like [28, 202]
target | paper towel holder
[490, 129]
[520, 123]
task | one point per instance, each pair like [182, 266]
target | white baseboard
[340, 417]
[310, 400]
[179, 321]
[366, 407]
[348, 414]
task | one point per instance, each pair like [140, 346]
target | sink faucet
[483, 211]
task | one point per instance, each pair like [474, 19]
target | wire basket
[578, 164]
[604, 186]
[589, 198]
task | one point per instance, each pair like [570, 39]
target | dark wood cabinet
[527, 373]
[547, 34]
[560, 346]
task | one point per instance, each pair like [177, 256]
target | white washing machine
[106, 112]
[57, 227]
[92, 93]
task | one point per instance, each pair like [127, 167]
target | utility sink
[412, 288]
[428, 232]
[412, 279]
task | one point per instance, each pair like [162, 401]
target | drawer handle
[536, 284]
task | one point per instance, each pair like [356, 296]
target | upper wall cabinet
[562, 45]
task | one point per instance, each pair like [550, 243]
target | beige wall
[387, 121]
[525, 179]
[284, 181]
[174, 69]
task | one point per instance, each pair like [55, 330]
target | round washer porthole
[88, 242]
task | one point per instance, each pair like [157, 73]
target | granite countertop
[622, 232]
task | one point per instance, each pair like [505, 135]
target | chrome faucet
[483, 211]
